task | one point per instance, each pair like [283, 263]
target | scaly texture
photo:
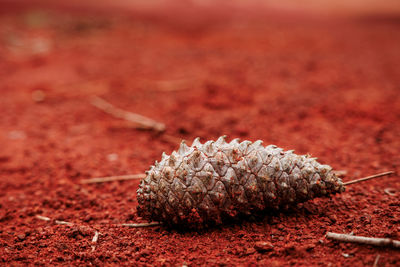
[206, 183]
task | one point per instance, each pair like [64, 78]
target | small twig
[364, 240]
[390, 191]
[368, 178]
[376, 260]
[137, 225]
[113, 178]
[127, 115]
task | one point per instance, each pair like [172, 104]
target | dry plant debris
[140, 120]
[390, 191]
[139, 225]
[376, 260]
[112, 178]
[96, 233]
[364, 240]
[94, 240]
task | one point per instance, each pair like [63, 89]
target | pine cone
[207, 183]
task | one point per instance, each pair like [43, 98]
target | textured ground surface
[330, 89]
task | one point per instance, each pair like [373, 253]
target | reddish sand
[330, 89]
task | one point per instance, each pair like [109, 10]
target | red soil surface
[327, 88]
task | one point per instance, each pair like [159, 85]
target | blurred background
[351, 8]
[300, 75]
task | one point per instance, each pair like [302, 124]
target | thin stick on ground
[140, 120]
[364, 240]
[113, 178]
[137, 225]
[368, 178]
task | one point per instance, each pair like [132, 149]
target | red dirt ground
[328, 88]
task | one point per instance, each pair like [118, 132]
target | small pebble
[250, 251]
[263, 246]
[112, 157]
[38, 96]
[347, 255]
